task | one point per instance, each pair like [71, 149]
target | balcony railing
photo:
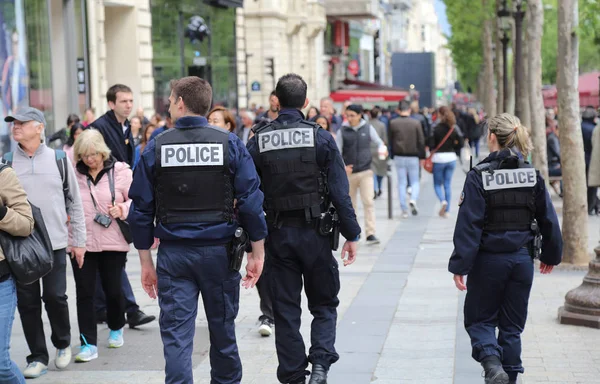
[354, 9]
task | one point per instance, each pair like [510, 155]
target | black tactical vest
[291, 178]
[357, 147]
[193, 183]
[510, 194]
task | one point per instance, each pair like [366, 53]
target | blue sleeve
[469, 226]
[246, 185]
[329, 158]
[141, 193]
[545, 215]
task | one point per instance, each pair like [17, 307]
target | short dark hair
[404, 106]
[111, 94]
[291, 91]
[273, 93]
[72, 119]
[195, 92]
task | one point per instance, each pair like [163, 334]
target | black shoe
[379, 193]
[138, 318]
[101, 317]
[301, 381]
[494, 373]
[318, 375]
[371, 239]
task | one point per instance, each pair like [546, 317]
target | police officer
[302, 171]
[504, 209]
[187, 180]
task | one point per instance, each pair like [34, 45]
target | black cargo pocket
[231, 298]
[335, 271]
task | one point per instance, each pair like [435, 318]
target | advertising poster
[13, 65]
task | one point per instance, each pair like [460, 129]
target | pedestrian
[588, 125]
[354, 143]
[324, 123]
[222, 118]
[594, 172]
[312, 113]
[105, 184]
[378, 165]
[89, 116]
[136, 129]
[74, 133]
[273, 111]
[293, 176]
[116, 130]
[474, 130]
[16, 219]
[162, 125]
[195, 224]
[244, 131]
[139, 149]
[445, 141]
[407, 143]
[114, 124]
[326, 109]
[415, 114]
[49, 180]
[496, 239]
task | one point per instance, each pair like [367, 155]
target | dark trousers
[592, 198]
[184, 272]
[474, 144]
[109, 265]
[498, 290]
[294, 254]
[264, 292]
[29, 299]
[100, 299]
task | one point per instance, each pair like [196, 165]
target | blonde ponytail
[510, 133]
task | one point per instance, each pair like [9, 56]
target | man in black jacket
[114, 125]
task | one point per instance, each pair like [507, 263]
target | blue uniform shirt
[328, 158]
[246, 190]
[470, 238]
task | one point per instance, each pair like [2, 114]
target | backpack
[61, 163]
[29, 258]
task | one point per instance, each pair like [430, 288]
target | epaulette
[260, 126]
[482, 167]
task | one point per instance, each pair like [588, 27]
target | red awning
[588, 91]
[367, 95]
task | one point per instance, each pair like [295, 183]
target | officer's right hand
[351, 249]
[254, 267]
[459, 281]
[545, 268]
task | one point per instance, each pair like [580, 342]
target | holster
[328, 225]
[235, 251]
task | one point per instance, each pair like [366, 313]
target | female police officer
[504, 208]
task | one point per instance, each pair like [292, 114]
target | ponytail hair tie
[515, 128]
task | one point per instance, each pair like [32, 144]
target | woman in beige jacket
[16, 219]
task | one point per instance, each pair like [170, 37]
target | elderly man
[244, 131]
[50, 182]
[326, 109]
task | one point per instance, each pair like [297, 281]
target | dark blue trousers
[296, 254]
[100, 299]
[498, 290]
[184, 272]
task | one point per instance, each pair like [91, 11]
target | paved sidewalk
[400, 319]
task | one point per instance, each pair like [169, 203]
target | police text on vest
[191, 155]
[286, 139]
[509, 178]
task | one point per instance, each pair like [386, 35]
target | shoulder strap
[7, 158]
[3, 167]
[111, 184]
[443, 141]
[61, 163]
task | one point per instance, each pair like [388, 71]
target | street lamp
[504, 17]
[519, 15]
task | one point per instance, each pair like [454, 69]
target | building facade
[275, 37]
[60, 56]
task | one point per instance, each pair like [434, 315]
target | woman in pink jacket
[104, 185]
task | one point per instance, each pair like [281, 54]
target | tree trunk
[499, 65]
[535, 31]
[575, 218]
[524, 86]
[489, 97]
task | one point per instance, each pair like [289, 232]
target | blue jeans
[442, 177]
[474, 144]
[407, 168]
[9, 372]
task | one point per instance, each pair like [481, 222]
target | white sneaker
[404, 215]
[115, 339]
[63, 358]
[266, 328]
[413, 207]
[442, 212]
[34, 370]
[87, 353]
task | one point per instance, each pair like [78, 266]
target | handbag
[123, 224]
[428, 163]
[29, 258]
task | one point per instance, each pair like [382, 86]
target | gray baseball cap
[26, 114]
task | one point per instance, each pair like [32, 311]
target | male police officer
[187, 180]
[302, 171]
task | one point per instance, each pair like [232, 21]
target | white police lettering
[191, 155]
[285, 139]
[509, 178]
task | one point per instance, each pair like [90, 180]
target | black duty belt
[4, 270]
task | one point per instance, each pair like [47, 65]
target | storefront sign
[255, 86]
[81, 75]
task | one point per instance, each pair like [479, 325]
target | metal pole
[390, 191]
[504, 42]
[181, 44]
[519, 14]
